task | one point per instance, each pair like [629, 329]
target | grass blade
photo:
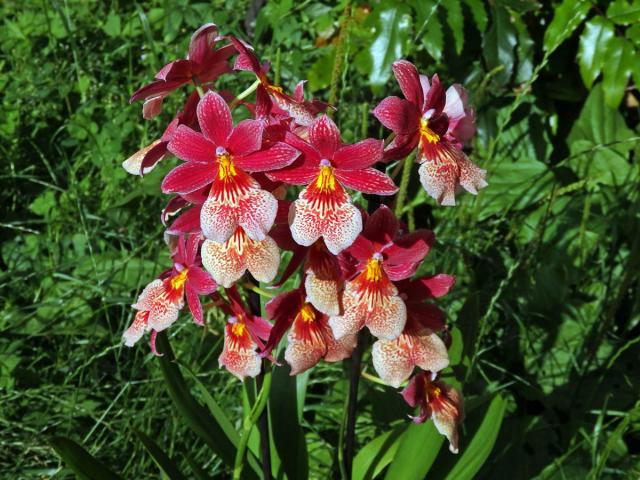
[166, 464]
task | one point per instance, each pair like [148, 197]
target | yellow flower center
[178, 281]
[326, 181]
[426, 133]
[374, 270]
[238, 328]
[275, 89]
[226, 168]
[307, 313]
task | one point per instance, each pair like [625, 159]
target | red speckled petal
[223, 262]
[263, 260]
[324, 136]
[256, 213]
[392, 360]
[359, 155]
[409, 80]
[239, 355]
[324, 295]
[136, 329]
[218, 220]
[339, 226]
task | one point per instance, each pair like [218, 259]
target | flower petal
[218, 221]
[263, 260]
[392, 360]
[223, 262]
[188, 222]
[409, 81]
[239, 354]
[256, 213]
[306, 346]
[447, 414]
[359, 155]
[188, 177]
[368, 180]
[191, 146]
[202, 41]
[387, 321]
[133, 164]
[136, 329]
[276, 156]
[397, 115]
[200, 281]
[381, 227]
[324, 295]
[430, 353]
[302, 175]
[194, 304]
[214, 118]
[339, 227]
[246, 138]
[324, 136]
[338, 349]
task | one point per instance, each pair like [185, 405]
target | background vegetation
[547, 257]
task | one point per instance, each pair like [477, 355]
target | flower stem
[250, 89]
[404, 185]
[249, 422]
[350, 410]
[338, 62]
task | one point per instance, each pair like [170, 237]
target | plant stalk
[351, 407]
[404, 185]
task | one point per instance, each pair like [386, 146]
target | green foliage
[547, 258]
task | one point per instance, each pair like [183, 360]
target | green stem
[338, 61]
[252, 88]
[404, 185]
[250, 420]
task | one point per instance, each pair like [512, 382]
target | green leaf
[623, 12]
[433, 38]
[288, 436]
[197, 418]
[377, 454]
[499, 44]
[474, 456]
[393, 24]
[567, 16]
[616, 70]
[479, 13]
[455, 20]
[112, 25]
[600, 142]
[166, 464]
[84, 465]
[418, 448]
[593, 43]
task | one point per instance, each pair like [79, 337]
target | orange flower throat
[177, 282]
[326, 181]
[226, 169]
[307, 314]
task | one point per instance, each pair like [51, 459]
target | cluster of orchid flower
[233, 215]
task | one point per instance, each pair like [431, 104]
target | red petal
[246, 138]
[156, 88]
[188, 222]
[410, 248]
[202, 41]
[369, 180]
[425, 315]
[438, 285]
[381, 226]
[324, 136]
[409, 81]
[295, 176]
[359, 155]
[194, 305]
[436, 97]
[201, 281]
[215, 119]
[362, 249]
[397, 114]
[188, 177]
[191, 146]
[277, 156]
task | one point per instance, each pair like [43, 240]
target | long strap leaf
[85, 465]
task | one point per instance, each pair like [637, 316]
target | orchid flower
[438, 401]
[438, 123]
[324, 208]
[203, 64]
[219, 156]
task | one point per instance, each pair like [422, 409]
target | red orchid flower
[160, 302]
[146, 159]
[203, 64]
[438, 401]
[303, 112]
[219, 156]
[324, 208]
[418, 345]
[371, 299]
[310, 339]
[243, 337]
[228, 261]
[438, 122]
